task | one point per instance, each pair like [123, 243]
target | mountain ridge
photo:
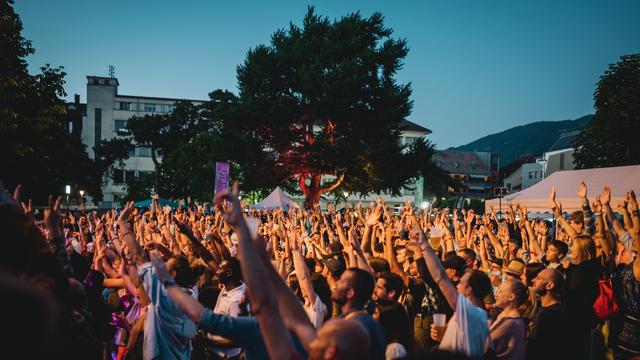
[533, 138]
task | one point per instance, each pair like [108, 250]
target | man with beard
[549, 325]
[352, 292]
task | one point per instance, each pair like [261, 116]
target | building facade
[560, 155]
[473, 171]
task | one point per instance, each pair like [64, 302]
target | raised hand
[597, 205]
[373, 216]
[232, 213]
[53, 218]
[633, 203]
[582, 190]
[605, 196]
[126, 213]
[552, 198]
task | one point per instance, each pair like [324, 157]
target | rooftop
[565, 141]
[460, 162]
[407, 125]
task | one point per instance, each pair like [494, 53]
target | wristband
[170, 282]
[127, 233]
[635, 212]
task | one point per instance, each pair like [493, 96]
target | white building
[106, 116]
[107, 113]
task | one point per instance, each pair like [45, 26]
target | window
[125, 105]
[132, 151]
[150, 107]
[170, 108]
[118, 176]
[144, 151]
[530, 174]
[119, 125]
[562, 161]
[409, 140]
[98, 127]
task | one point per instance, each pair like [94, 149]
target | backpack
[605, 305]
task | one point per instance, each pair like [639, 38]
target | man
[389, 286]
[341, 339]
[352, 292]
[549, 324]
[556, 251]
[470, 258]
[468, 330]
[229, 300]
[455, 267]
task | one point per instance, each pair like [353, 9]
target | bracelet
[635, 212]
[127, 233]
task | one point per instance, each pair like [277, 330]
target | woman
[395, 324]
[509, 331]
[582, 290]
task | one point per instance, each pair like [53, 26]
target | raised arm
[135, 250]
[435, 267]
[304, 278]
[259, 287]
[557, 210]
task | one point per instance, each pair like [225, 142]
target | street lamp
[81, 197]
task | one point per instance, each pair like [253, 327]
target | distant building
[104, 117]
[524, 176]
[475, 176]
[560, 154]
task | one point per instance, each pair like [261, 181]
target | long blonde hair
[586, 248]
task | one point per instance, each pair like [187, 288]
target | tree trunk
[314, 190]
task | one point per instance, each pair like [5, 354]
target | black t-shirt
[550, 327]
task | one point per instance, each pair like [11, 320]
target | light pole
[81, 197]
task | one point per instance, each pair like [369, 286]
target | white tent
[536, 198]
[277, 199]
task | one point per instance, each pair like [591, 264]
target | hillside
[534, 138]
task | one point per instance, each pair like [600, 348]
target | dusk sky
[476, 67]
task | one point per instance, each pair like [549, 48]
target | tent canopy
[277, 199]
[161, 202]
[536, 198]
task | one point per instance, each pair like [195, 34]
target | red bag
[605, 305]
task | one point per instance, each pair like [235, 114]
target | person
[167, 333]
[389, 286]
[549, 324]
[341, 339]
[509, 330]
[395, 324]
[467, 330]
[556, 251]
[352, 292]
[582, 290]
[231, 296]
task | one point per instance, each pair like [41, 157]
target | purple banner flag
[222, 176]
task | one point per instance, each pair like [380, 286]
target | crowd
[362, 282]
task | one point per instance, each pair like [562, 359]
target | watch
[169, 282]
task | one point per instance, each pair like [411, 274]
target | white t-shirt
[317, 312]
[467, 330]
[229, 304]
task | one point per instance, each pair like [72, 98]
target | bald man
[549, 324]
[340, 339]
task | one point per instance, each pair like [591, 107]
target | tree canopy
[610, 138]
[321, 103]
[37, 150]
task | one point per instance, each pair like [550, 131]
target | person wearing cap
[514, 270]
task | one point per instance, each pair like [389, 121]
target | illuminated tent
[277, 199]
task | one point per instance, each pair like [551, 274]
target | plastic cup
[439, 320]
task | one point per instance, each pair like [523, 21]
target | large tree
[36, 148]
[611, 138]
[322, 108]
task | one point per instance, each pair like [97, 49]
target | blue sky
[476, 67]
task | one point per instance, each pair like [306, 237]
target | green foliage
[307, 113]
[37, 151]
[140, 187]
[611, 137]
[535, 138]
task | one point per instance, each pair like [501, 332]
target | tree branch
[331, 187]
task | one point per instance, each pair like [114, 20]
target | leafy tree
[610, 139]
[140, 187]
[321, 102]
[37, 151]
